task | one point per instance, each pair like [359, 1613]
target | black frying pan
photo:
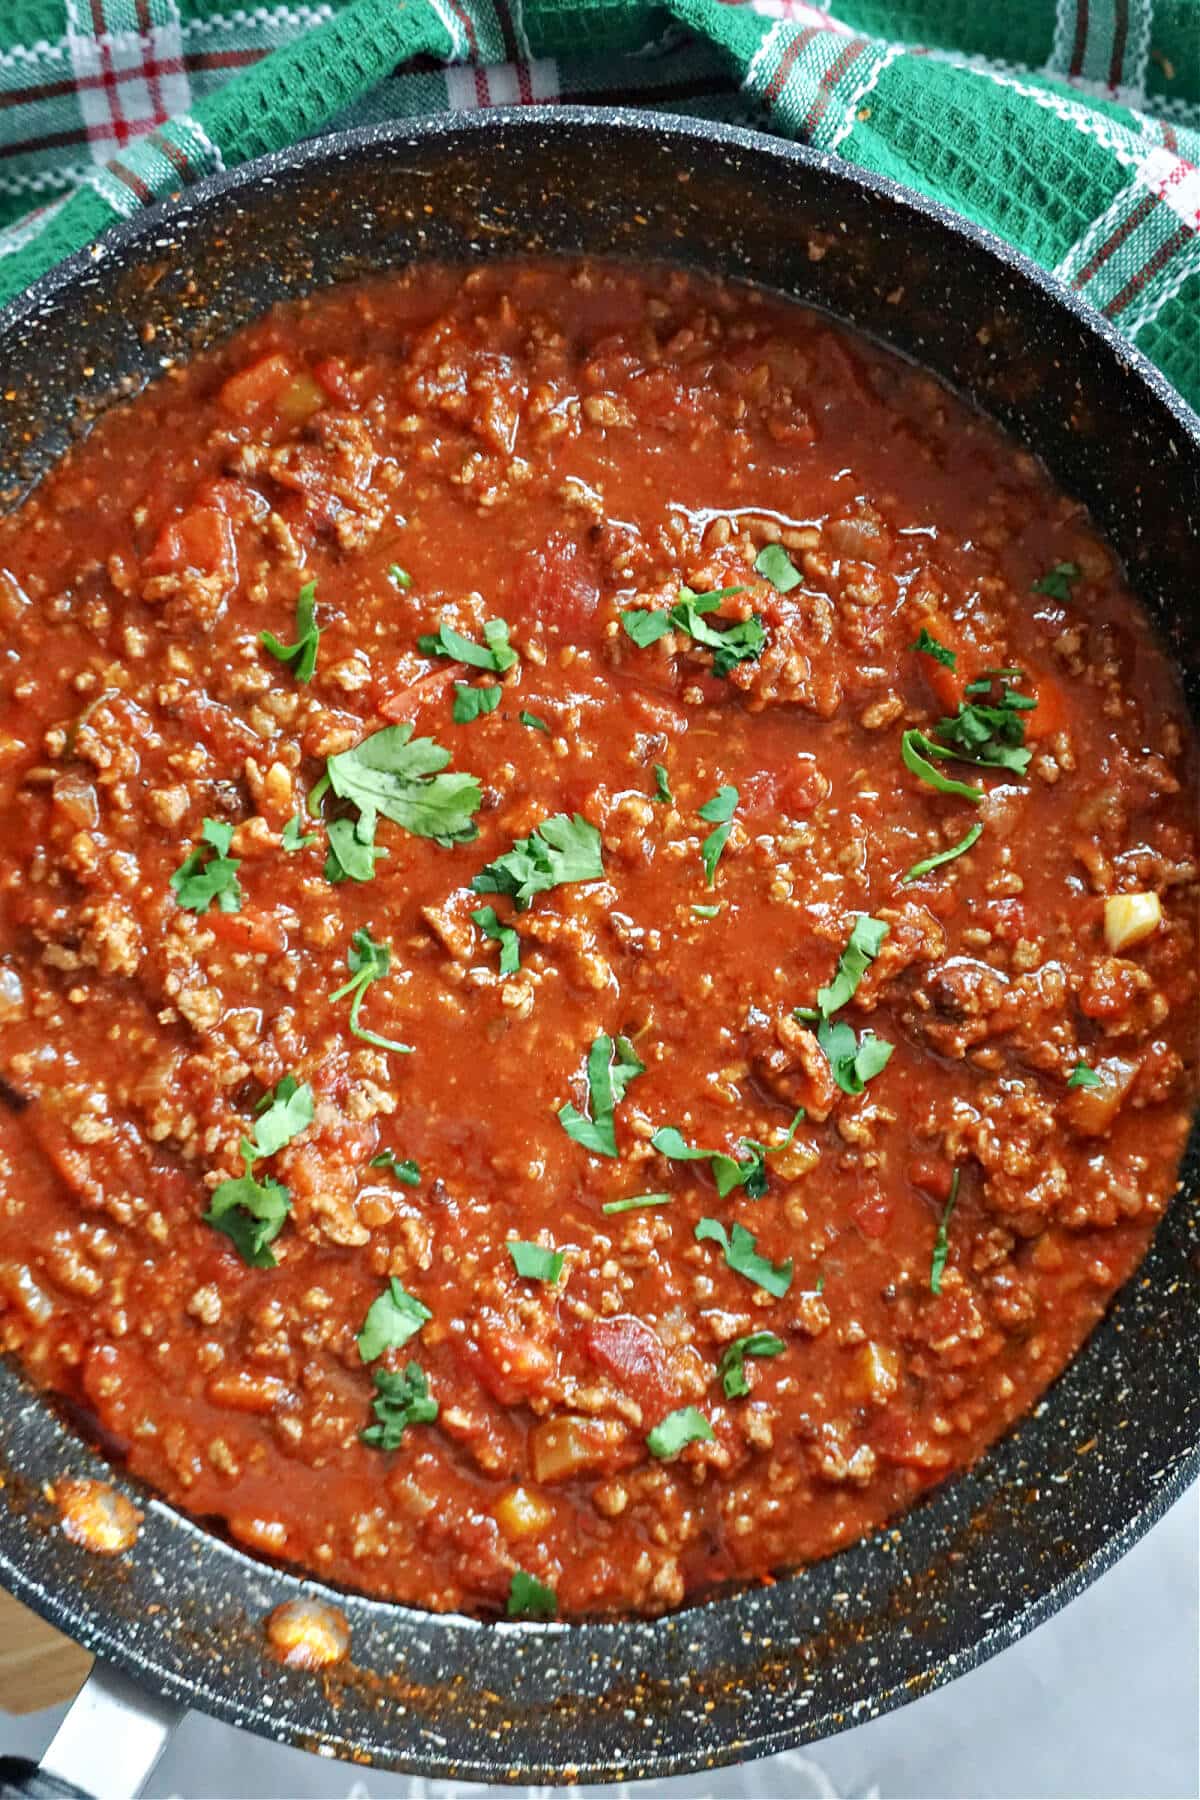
[1116, 1439]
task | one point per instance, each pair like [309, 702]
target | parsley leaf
[197, 883]
[635, 1201]
[391, 1320]
[495, 653]
[301, 657]
[852, 1059]
[556, 851]
[534, 1262]
[402, 1398]
[915, 751]
[353, 852]
[741, 641]
[743, 1257]
[928, 645]
[728, 1172]
[388, 774]
[991, 736]
[529, 1598]
[1058, 580]
[406, 1172]
[731, 1367]
[250, 1212]
[862, 947]
[533, 722]
[707, 912]
[610, 1069]
[721, 807]
[504, 935]
[662, 785]
[283, 1115]
[941, 1243]
[645, 625]
[686, 1425]
[718, 811]
[399, 577]
[473, 702]
[367, 962]
[774, 562]
[1083, 1077]
[294, 837]
[929, 863]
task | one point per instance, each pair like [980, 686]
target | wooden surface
[38, 1666]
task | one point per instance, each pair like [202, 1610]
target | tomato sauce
[322, 1054]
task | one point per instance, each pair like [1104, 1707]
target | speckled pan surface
[1114, 1441]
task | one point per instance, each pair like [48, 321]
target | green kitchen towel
[1071, 127]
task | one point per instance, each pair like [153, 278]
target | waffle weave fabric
[1070, 127]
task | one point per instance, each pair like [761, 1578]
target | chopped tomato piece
[259, 933]
[273, 387]
[558, 583]
[633, 1354]
[201, 540]
[407, 703]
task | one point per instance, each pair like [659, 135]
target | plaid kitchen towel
[1071, 127]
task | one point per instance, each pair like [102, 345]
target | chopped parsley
[389, 774]
[915, 752]
[352, 852]
[852, 1059]
[556, 851]
[399, 577]
[662, 785]
[748, 1171]
[534, 1262]
[250, 1212]
[928, 645]
[707, 912]
[495, 653]
[402, 1398]
[300, 657]
[774, 562]
[529, 1598]
[199, 880]
[928, 863]
[989, 732]
[635, 1201]
[740, 642]
[473, 702]
[367, 962]
[391, 1320]
[1082, 1076]
[686, 1425]
[533, 722]
[718, 811]
[862, 947]
[610, 1069]
[282, 1115]
[742, 1256]
[405, 1172]
[294, 837]
[941, 1243]
[510, 944]
[1057, 582]
[731, 1367]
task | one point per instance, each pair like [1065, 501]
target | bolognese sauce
[598, 946]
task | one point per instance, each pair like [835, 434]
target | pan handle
[112, 1736]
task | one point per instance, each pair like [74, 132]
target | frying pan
[1113, 1442]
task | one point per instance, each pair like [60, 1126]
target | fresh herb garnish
[534, 1262]
[686, 1425]
[852, 1059]
[610, 1069]
[992, 736]
[556, 851]
[391, 1320]
[388, 774]
[406, 1172]
[635, 1201]
[495, 653]
[294, 837]
[197, 882]
[928, 645]
[300, 657]
[862, 947]
[718, 811]
[510, 944]
[533, 722]
[1082, 1076]
[707, 912]
[473, 702]
[774, 562]
[367, 962]
[282, 1115]
[250, 1212]
[941, 1244]
[915, 751]
[748, 1171]
[353, 852]
[529, 1598]
[731, 1367]
[1057, 581]
[740, 642]
[929, 863]
[399, 577]
[402, 1398]
[743, 1258]
[662, 785]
